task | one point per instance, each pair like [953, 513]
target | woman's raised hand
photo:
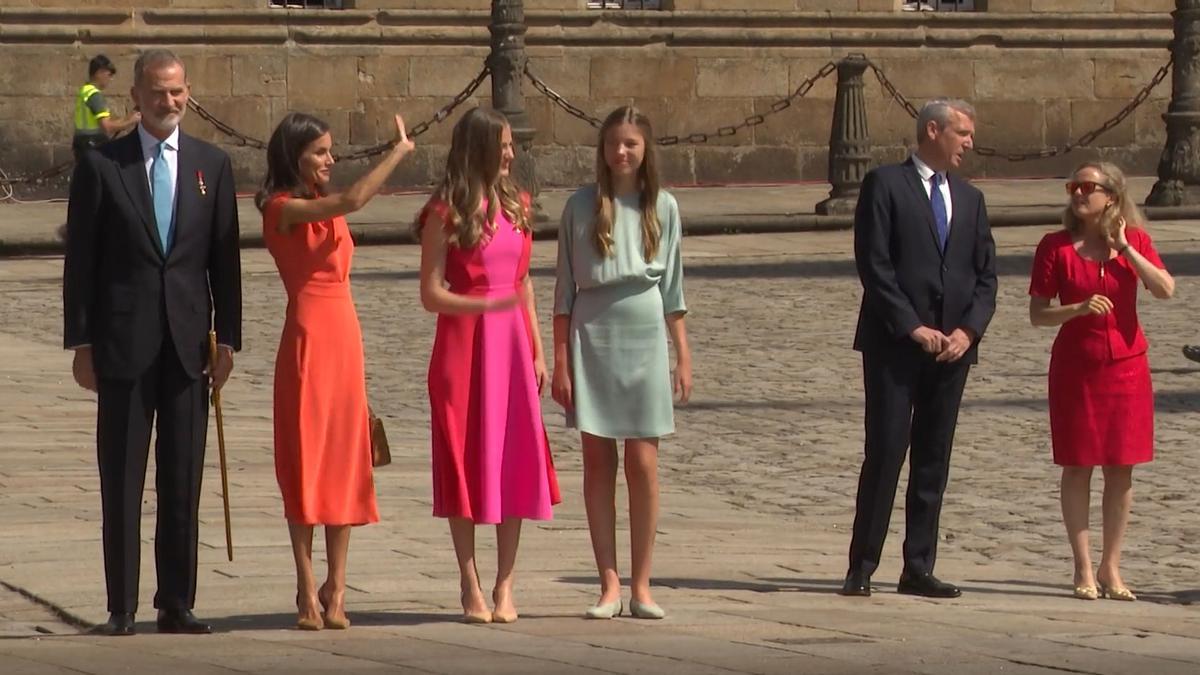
[401, 142]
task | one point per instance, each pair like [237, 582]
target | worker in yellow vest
[94, 123]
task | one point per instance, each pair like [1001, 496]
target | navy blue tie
[938, 202]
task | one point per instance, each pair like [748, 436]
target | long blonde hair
[1113, 180]
[602, 235]
[472, 175]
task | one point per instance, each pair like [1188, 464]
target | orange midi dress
[322, 432]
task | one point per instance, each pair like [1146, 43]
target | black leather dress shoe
[926, 585]
[857, 584]
[119, 623]
[181, 621]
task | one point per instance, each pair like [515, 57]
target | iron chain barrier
[703, 137]
[1083, 141]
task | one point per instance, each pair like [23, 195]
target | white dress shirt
[170, 152]
[926, 174]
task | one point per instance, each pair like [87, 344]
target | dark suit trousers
[127, 410]
[910, 400]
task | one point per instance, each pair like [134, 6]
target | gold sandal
[1113, 593]
[1086, 592]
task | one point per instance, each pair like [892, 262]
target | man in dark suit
[925, 255]
[152, 263]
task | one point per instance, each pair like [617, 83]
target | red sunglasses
[1087, 187]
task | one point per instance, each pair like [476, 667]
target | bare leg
[333, 591]
[462, 531]
[508, 539]
[641, 473]
[1118, 498]
[306, 583]
[1076, 498]
[599, 498]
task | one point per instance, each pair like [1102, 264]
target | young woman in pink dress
[491, 458]
[322, 435]
[1101, 400]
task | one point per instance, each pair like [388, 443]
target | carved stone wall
[1037, 80]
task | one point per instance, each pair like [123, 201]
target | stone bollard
[849, 141]
[1179, 167]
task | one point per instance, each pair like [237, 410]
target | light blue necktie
[160, 188]
[938, 202]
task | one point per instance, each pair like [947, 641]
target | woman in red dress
[1101, 400]
[322, 433]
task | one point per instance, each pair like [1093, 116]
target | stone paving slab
[758, 490]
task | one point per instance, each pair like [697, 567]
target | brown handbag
[381, 454]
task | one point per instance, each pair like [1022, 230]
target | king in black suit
[925, 255]
[152, 263]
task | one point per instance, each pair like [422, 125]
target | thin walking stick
[216, 401]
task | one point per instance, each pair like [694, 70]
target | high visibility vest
[87, 122]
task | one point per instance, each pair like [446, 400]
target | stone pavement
[758, 493]
[31, 227]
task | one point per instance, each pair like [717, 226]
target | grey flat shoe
[647, 610]
[605, 611]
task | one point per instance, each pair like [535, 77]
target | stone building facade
[1040, 72]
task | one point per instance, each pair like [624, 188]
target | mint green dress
[620, 367]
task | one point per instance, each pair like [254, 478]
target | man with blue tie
[927, 262]
[152, 264]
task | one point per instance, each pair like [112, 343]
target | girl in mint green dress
[619, 293]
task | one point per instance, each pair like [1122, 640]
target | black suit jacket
[121, 294]
[907, 281]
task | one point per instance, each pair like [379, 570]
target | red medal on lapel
[200, 183]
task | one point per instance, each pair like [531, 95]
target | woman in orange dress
[322, 433]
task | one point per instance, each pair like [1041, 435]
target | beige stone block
[829, 5]
[384, 76]
[564, 165]
[1089, 115]
[1058, 121]
[209, 75]
[928, 78]
[1071, 6]
[1034, 78]
[800, 70]
[373, 122]
[655, 75]
[688, 117]
[754, 164]
[888, 123]
[1148, 121]
[749, 5]
[1143, 6]
[322, 82]
[444, 75]
[541, 117]
[754, 76]
[880, 5]
[1009, 6]
[1010, 125]
[805, 124]
[27, 72]
[569, 77]
[677, 165]
[259, 74]
[1124, 78]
